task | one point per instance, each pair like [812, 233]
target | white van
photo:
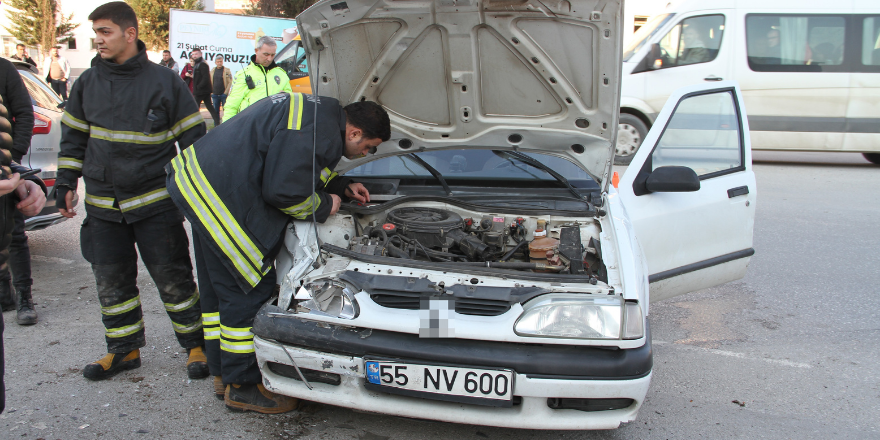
[809, 70]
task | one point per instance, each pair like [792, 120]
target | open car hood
[510, 74]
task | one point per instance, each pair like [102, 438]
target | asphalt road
[795, 342]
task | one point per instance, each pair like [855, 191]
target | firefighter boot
[197, 364]
[257, 398]
[219, 388]
[7, 301]
[112, 364]
[27, 315]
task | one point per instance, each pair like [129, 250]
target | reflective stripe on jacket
[267, 82]
[240, 184]
[118, 132]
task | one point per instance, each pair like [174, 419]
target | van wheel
[631, 132]
[872, 157]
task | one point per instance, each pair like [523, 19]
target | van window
[692, 41]
[795, 43]
[644, 34]
[871, 41]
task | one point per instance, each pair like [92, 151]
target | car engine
[439, 235]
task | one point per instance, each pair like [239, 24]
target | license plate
[456, 384]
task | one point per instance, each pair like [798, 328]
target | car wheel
[631, 132]
[872, 157]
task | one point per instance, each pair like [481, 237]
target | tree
[153, 19]
[278, 8]
[39, 23]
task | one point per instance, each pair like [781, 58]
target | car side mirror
[673, 179]
[655, 57]
[62, 104]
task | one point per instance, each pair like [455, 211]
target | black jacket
[201, 78]
[7, 208]
[241, 183]
[18, 102]
[118, 132]
[26, 59]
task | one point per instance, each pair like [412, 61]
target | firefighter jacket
[118, 132]
[267, 81]
[240, 184]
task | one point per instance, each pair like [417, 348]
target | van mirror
[655, 57]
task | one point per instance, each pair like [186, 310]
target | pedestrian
[239, 186]
[187, 74]
[57, 71]
[118, 131]
[202, 84]
[32, 195]
[17, 101]
[21, 55]
[168, 61]
[261, 78]
[221, 82]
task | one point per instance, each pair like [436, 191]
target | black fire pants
[19, 257]
[228, 317]
[164, 248]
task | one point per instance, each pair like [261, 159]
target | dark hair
[20, 45]
[120, 13]
[166, 51]
[371, 118]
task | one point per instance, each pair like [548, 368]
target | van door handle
[713, 78]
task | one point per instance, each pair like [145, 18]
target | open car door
[691, 194]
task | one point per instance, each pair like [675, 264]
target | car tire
[631, 132]
[874, 158]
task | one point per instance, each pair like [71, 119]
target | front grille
[310, 375]
[589, 405]
[464, 306]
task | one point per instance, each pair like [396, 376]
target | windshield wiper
[524, 158]
[433, 172]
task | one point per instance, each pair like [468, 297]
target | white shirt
[65, 66]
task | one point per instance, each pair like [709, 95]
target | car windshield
[644, 34]
[41, 95]
[460, 167]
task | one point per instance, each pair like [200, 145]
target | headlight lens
[579, 317]
[327, 297]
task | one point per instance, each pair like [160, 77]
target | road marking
[50, 259]
[738, 355]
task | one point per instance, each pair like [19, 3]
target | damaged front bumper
[606, 385]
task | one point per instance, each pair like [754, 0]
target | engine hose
[516, 266]
[395, 251]
[514, 250]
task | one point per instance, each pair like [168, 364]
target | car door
[706, 60]
[691, 195]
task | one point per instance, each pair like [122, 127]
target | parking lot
[790, 351]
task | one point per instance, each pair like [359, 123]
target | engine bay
[524, 243]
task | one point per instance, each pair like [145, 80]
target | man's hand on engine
[357, 191]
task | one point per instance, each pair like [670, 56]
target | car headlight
[581, 317]
[327, 297]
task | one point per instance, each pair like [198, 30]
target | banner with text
[230, 36]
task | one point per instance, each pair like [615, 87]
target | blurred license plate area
[452, 384]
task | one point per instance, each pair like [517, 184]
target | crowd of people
[174, 169]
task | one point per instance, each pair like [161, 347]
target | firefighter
[239, 186]
[261, 78]
[118, 133]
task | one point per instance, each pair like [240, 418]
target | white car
[497, 277]
[45, 143]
